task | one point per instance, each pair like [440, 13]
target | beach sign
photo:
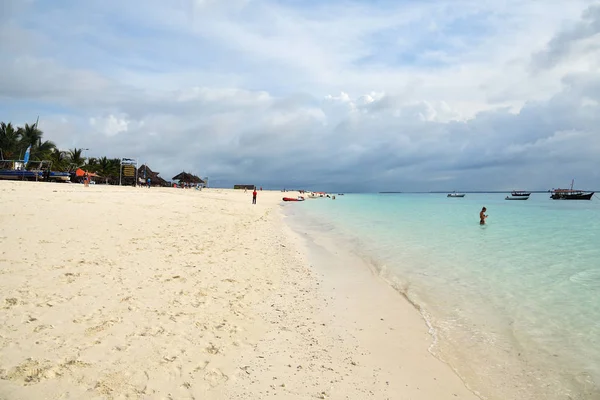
[129, 170]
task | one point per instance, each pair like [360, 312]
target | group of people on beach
[144, 182]
[482, 214]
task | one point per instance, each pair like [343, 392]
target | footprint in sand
[10, 302]
[40, 328]
[33, 371]
[212, 349]
[122, 383]
[215, 377]
[71, 276]
[201, 367]
[99, 328]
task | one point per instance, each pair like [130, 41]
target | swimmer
[482, 216]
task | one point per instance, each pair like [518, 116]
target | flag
[27, 153]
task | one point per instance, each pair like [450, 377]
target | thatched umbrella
[186, 177]
[144, 170]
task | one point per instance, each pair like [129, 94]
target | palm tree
[115, 168]
[42, 150]
[9, 141]
[76, 158]
[92, 164]
[60, 161]
[30, 135]
[14, 142]
[105, 168]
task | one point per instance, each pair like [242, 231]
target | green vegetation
[14, 141]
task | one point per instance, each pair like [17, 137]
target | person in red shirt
[254, 196]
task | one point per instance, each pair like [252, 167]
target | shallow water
[514, 304]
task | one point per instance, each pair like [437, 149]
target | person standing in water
[482, 216]
[254, 196]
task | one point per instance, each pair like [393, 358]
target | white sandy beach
[131, 293]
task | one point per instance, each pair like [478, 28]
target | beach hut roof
[187, 177]
[148, 170]
[145, 172]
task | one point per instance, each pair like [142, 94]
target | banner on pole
[27, 154]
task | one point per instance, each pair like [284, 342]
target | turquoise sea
[513, 306]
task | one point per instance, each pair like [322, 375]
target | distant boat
[518, 195]
[571, 194]
[299, 198]
[456, 194]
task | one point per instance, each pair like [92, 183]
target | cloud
[111, 125]
[581, 39]
[344, 95]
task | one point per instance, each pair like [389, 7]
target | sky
[380, 95]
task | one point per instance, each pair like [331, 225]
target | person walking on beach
[149, 182]
[254, 196]
[482, 216]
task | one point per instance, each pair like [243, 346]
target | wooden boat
[571, 194]
[299, 198]
[456, 194]
[38, 171]
[517, 193]
[516, 198]
[19, 174]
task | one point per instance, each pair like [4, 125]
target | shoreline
[110, 292]
[399, 336]
[466, 356]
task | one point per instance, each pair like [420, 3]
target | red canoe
[300, 198]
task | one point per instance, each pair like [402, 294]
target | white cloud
[111, 125]
[411, 93]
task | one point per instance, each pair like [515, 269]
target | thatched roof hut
[185, 177]
[145, 172]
